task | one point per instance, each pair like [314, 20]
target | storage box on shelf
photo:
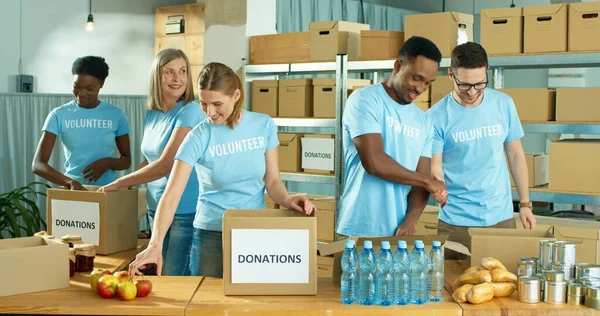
[446, 29]
[574, 166]
[380, 45]
[324, 95]
[537, 104]
[295, 98]
[578, 104]
[545, 28]
[584, 26]
[537, 167]
[502, 30]
[329, 38]
[280, 48]
[265, 94]
[318, 153]
[289, 152]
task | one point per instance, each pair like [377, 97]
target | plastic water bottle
[385, 280]
[418, 274]
[401, 274]
[436, 273]
[349, 283]
[366, 290]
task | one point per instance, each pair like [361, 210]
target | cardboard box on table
[33, 264]
[107, 220]
[269, 252]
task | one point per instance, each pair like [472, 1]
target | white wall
[54, 36]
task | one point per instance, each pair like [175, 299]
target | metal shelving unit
[341, 67]
[308, 125]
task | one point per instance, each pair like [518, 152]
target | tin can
[555, 276]
[593, 292]
[526, 268]
[556, 292]
[579, 269]
[546, 254]
[575, 300]
[529, 290]
[592, 302]
[575, 289]
[568, 270]
[564, 252]
[590, 270]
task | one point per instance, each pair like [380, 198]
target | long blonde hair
[219, 77]
[164, 57]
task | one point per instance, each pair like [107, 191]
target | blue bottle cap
[368, 244]
[385, 245]
[437, 243]
[419, 244]
[418, 241]
[349, 243]
[402, 244]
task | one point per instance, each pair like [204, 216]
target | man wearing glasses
[473, 127]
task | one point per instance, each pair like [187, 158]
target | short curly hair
[91, 65]
[419, 46]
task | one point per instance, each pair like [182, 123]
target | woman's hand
[300, 203]
[152, 254]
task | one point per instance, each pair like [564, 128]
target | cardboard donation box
[584, 26]
[318, 153]
[545, 28]
[295, 98]
[500, 244]
[107, 220]
[33, 264]
[335, 249]
[445, 29]
[269, 252]
[502, 30]
[329, 38]
[428, 222]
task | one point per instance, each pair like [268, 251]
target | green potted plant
[19, 215]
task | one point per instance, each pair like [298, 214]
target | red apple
[126, 291]
[144, 287]
[123, 276]
[107, 285]
[95, 275]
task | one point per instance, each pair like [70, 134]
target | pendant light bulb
[89, 26]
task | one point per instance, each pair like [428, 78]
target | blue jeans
[206, 258]
[177, 244]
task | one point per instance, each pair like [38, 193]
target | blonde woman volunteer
[171, 115]
[235, 155]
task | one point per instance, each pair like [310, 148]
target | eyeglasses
[467, 86]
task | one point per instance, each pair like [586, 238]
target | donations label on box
[270, 255]
[76, 218]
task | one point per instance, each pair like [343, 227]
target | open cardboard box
[269, 252]
[33, 264]
[335, 249]
[506, 245]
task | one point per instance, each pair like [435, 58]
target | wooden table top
[209, 300]
[510, 306]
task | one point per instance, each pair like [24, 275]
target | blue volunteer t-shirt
[158, 128]
[87, 135]
[471, 141]
[231, 165]
[371, 206]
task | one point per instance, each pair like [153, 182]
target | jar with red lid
[72, 257]
[84, 257]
